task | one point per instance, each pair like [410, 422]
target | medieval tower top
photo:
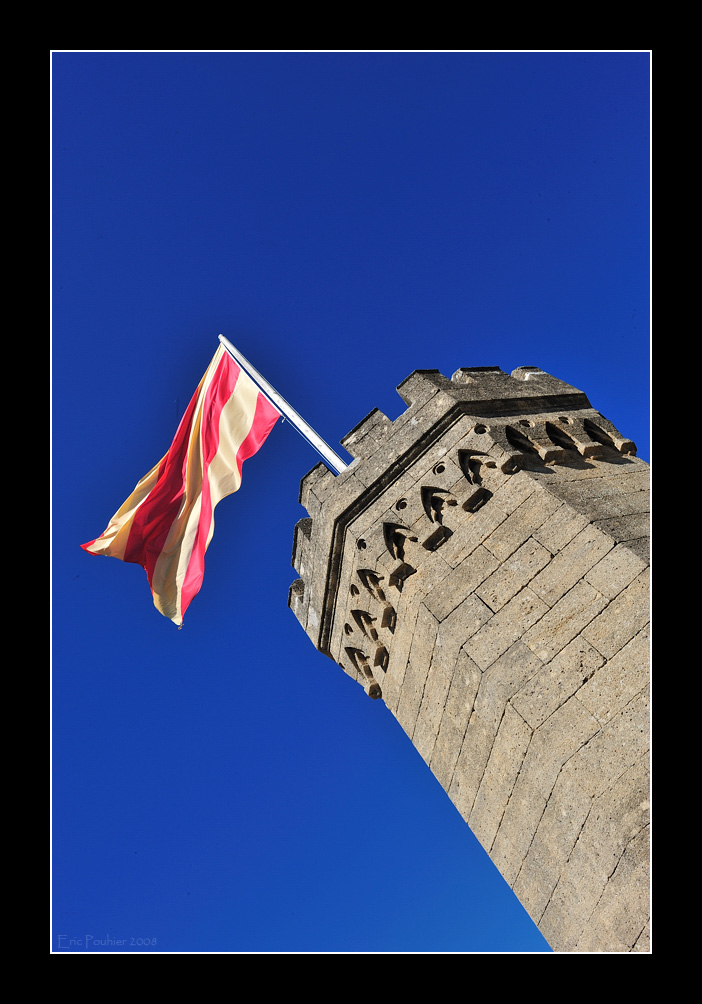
[482, 568]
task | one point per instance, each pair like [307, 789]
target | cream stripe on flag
[167, 522]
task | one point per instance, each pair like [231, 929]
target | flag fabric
[167, 522]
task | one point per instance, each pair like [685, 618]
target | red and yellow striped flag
[167, 522]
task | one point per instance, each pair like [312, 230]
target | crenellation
[312, 485]
[420, 387]
[302, 550]
[368, 436]
[481, 568]
[298, 601]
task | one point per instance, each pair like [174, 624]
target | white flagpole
[330, 458]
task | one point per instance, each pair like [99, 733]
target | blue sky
[344, 218]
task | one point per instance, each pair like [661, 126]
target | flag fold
[167, 522]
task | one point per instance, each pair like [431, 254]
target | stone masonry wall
[482, 567]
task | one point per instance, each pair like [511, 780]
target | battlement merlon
[562, 419]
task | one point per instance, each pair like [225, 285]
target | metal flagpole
[333, 462]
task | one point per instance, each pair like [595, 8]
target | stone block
[517, 827]
[564, 621]
[460, 699]
[432, 573]
[622, 741]
[432, 705]
[619, 928]
[616, 819]
[513, 574]
[460, 582]
[643, 942]
[551, 846]
[472, 760]
[625, 504]
[615, 571]
[460, 625]
[445, 752]
[502, 679]
[564, 524]
[625, 616]
[399, 654]
[618, 814]
[515, 490]
[571, 564]
[500, 775]
[521, 523]
[609, 484]
[436, 467]
[553, 684]
[555, 742]
[569, 909]
[506, 627]
[625, 528]
[641, 547]
[417, 669]
[473, 532]
[611, 688]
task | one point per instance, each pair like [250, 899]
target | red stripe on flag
[153, 520]
[219, 392]
[265, 417]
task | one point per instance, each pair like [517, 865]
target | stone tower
[482, 567]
